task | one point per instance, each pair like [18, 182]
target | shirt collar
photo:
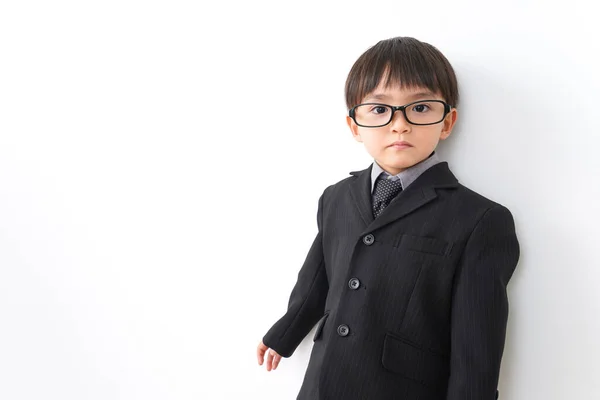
[407, 176]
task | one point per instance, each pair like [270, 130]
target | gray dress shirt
[407, 176]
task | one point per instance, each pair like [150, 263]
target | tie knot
[386, 188]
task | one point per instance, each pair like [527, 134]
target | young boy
[408, 272]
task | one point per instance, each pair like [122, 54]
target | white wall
[150, 150]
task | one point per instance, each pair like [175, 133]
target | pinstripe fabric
[423, 300]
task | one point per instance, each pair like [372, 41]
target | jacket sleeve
[307, 300]
[480, 306]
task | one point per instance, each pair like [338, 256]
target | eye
[420, 108]
[379, 109]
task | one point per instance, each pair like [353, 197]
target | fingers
[273, 360]
[273, 357]
[260, 352]
[270, 360]
[276, 359]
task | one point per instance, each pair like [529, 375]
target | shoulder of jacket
[339, 185]
[478, 200]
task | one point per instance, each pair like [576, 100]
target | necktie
[385, 191]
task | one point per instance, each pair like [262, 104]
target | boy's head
[397, 72]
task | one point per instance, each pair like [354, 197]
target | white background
[161, 162]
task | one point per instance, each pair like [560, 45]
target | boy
[408, 272]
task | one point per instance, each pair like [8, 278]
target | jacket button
[343, 330]
[368, 239]
[354, 283]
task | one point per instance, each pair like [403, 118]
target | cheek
[430, 136]
[372, 146]
[375, 143]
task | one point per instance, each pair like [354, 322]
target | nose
[399, 123]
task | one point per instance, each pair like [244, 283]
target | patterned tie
[385, 191]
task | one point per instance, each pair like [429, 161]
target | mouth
[400, 145]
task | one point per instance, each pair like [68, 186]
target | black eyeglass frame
[352, 112]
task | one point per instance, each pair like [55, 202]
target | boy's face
[423, 139]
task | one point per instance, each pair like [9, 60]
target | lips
[400, 144]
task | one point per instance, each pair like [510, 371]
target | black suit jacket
[410, 305]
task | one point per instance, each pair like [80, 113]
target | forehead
[399, 94]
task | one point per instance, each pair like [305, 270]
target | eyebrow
[381, 96]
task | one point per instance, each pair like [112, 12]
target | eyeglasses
[423, 112]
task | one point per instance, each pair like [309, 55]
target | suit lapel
[416, 195]
[360, 190]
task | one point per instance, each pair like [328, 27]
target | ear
[449, 123]
[353, 128]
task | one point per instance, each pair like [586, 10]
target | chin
[405, 162]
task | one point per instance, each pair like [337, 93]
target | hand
[273, 357]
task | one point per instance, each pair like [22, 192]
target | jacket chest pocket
[320, 324]
[424, 244]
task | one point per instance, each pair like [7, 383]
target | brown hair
[406, 61]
